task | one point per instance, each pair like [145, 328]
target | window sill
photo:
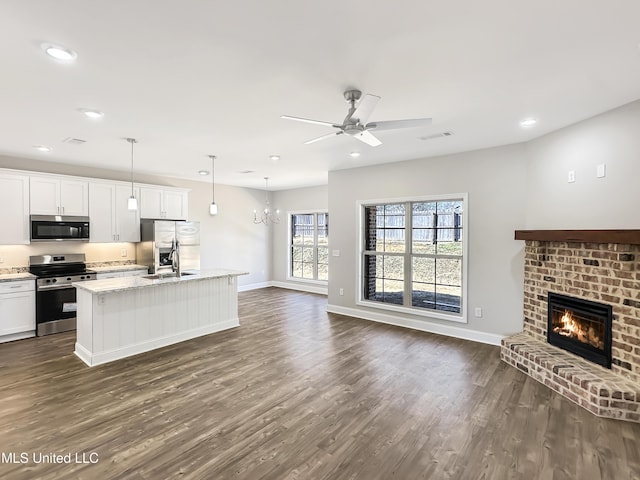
[414, 311]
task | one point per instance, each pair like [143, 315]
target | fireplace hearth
[581, 327]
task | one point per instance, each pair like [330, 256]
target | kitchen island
[120, 317]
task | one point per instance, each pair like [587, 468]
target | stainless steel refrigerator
[158, 239]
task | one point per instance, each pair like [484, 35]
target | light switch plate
[601, 171]
[335, 253]
[571, 177]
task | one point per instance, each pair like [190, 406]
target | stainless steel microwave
[55, 228]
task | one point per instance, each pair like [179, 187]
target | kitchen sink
[159, 276]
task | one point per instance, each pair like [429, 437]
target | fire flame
[569, 325]
[583, 332]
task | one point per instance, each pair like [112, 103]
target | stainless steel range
[55, 296]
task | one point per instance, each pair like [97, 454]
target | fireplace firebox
[581, 327]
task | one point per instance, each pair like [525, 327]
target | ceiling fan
[355, 123]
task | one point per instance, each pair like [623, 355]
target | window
[309, 246]
[413, 256]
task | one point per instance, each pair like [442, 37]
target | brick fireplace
[599, 267]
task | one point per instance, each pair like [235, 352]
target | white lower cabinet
[17, 310]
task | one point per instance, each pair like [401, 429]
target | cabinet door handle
[63, 210]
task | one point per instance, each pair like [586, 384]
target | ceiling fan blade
[368, 138]
[306, 120]
[393, 124]
[317, 139]
[365, 108]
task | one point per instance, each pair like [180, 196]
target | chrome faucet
[175, 257]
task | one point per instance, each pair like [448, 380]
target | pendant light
[132, 203]
[268, 216]
[213, 208]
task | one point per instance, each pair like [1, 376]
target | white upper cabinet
[14, 217]
[175, 205]
[51, 195]
[127, 221]
[163, 203]
[111, 220]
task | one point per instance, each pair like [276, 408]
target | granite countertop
[117, 268]
[110, 285]
[14, 277]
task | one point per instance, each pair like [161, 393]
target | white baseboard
[321, 289]
[17, 336]
[422, 325]
[253, 286]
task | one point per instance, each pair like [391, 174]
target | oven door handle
[45, 288]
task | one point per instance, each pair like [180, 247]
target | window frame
[290, 245]
[361, 238]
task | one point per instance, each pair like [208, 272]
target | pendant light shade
[213, 208]
[132, 203]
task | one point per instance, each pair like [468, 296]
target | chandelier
[268, 215]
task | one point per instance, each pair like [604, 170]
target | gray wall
[495, 182]
[228, 240]
[612, 138]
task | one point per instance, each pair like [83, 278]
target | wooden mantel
[628, 237]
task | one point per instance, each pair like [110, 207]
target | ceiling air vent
[436, 135]
[74, 141]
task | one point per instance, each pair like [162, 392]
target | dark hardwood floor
[296, 393]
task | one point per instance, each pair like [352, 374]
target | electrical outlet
[571, 176]
[1, 259]
[601, 171]
[123, 252]
[478, 312]
[342, 291]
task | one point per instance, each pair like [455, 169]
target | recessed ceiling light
[275, 158]
[59, 53]
[204, 173]
[42, 148]
[528, 122]
[92, 113]
[354, 154]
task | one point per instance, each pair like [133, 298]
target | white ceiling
[197, 77]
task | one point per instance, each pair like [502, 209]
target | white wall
[289, 201]
[495, 182]
[612, 138]
[228, 240]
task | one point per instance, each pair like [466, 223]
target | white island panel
[116, 320]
